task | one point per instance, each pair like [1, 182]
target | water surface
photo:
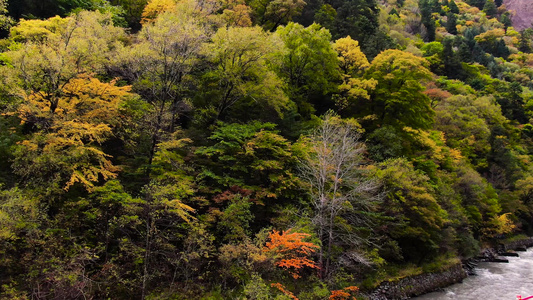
[494, 281]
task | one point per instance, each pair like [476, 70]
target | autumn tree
[352, 62]
[64, 150]
[156, 7]
[290, 251]
[159, 64]
[58, 50]
[333, 172]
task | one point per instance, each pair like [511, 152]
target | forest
[257, 149]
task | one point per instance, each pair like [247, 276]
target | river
[494, 281]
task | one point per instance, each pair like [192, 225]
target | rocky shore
[408, 287]
[412, 286]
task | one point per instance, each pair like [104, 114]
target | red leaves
[291, 252]
[282, 289]
[344, 294]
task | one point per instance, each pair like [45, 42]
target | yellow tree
[156, 7]
[159, 65]
[64, 148]
[52, 52]
[352, 62]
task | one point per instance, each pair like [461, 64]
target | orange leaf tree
[290, 251]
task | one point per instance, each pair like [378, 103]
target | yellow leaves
[238, 15]
[435, 141]
[38, 30]
[490, 35]
[500, 225]
[67, 147]
[156, 7]
[181, 209]
[351, 58]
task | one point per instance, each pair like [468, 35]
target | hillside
[523, 13]
[257, 149]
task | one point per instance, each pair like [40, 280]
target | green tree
[451, 23]
[525, 41]
[490, 8]
[251, 157]
[159, 64]
[241, 79]
[453, 7]
[417, 216]
[309, 65]
[272, 13]
[5, 20]
[398, 99]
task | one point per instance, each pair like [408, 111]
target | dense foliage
[256, 149]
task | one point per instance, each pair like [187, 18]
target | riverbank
[411, 286]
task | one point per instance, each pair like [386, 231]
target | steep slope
[523, 12]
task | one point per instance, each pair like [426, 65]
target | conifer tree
[453, 7]
[490, 8]
[524, 42]
[506, 20]
[451, 25]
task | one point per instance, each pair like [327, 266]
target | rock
[500, 260]
[513, 254]
[521, 249]
[523, 10]
[417, 285]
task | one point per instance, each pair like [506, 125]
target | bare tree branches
[334, 173]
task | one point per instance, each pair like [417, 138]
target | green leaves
[398, 99]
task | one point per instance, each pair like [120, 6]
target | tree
[290, 251]
[418, 219]
[453, 7]
[309, 65]
[272, 13]
[249, 157]
[358, 19]
[158, 66]
[64, 149]
[397, 99]
[451, 24]
[352, 62]
[332, 169]
[505, 19]
[242, 76]
[490, 8]
[427, 20]
[452, 66]
[525, 41]
[5, 21]
[156, 7]
[58, 50]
